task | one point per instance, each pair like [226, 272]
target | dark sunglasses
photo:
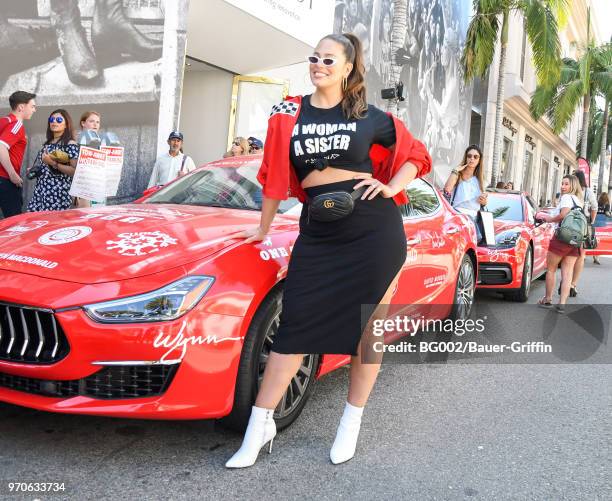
[236, 143]
[59, 120]
[476, 157]
[326, 61]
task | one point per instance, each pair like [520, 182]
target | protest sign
[89, 179]
[114, 164]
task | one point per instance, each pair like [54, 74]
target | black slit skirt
[335, 268]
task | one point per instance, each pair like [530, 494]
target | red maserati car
[521, 245]
[155, 310]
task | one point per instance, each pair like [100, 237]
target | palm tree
[596, 146]
[579, 81]
[595, 134]
[399, 26]
[603, 147]
[490, 23]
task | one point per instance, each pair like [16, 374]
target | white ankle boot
[260, 430]
[346, 436]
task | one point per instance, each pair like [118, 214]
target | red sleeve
[274, 171]
[409, 149]
[11, 134]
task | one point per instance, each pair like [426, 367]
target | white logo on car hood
[18, 229]
[64, 235]
[141, 243]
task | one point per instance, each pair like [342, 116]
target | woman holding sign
[55, 165]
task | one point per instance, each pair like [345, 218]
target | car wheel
[464, 290]
[255, 353]
[521, 295]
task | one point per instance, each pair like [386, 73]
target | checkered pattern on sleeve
[286, 107]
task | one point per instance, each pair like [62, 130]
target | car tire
[255, 350]
[465, 288]
[521, 295]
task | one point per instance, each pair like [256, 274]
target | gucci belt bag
[334, 205]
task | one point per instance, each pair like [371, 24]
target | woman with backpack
[558, 251]
[590, 211]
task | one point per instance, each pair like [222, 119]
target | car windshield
[507, 207]
[228, 187]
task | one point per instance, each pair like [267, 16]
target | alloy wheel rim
[528, 272]
[465, 290]
[299, 383]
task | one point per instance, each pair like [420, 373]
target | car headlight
[167, 303]
[507, 238]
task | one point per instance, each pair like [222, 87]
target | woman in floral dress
[53, 185]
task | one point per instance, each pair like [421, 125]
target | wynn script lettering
[179, 342]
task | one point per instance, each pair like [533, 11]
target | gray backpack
[573, 229]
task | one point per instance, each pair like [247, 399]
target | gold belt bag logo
[334, 205]
[328, 204]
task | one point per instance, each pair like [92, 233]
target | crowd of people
[244, 146]
[55, 163]
[501, 185]
[465, 190]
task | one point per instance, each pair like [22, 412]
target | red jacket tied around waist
[278, 176]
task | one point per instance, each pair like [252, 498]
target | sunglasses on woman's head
[59, 120]
[325, 61]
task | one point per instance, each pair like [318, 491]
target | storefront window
[506, 161]
[527, 171]
[556, 182]
[252, 100]
[523, 50]
[544, 184]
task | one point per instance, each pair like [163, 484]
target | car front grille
[31, 335]
[494, 273]
[117, 382]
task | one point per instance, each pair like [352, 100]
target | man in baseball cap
[255, 145]
[172, 164]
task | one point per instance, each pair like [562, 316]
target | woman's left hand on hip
[374, 187]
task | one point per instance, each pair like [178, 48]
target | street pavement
[430, 431]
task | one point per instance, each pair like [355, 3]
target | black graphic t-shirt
[324, 137]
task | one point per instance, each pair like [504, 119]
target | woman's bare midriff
[330, 175]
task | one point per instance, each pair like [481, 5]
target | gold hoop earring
[344, 83]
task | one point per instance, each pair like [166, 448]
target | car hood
[118, 242]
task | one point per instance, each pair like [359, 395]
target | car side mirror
[147, 193]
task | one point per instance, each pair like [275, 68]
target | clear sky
[601, 13]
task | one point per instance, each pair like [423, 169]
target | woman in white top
[560, 252]
[464, 188]
[589, 207]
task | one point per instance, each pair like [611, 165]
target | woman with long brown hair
[465, 188]
[57, 162]
[332, 145]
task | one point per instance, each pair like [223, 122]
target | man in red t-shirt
[13, 143]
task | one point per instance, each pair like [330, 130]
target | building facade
[231, 83]
[533, 157]
[222, 64]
